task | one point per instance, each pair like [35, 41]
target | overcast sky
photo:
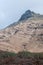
[11, 10]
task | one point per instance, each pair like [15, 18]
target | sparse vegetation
[21, 58]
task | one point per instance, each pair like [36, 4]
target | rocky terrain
[26, 34]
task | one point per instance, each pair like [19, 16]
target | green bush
[7, 54]
[24, 54]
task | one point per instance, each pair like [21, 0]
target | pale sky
[11, 10]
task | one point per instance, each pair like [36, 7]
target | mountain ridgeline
[25, 16]
[24, 35]
[28, 14]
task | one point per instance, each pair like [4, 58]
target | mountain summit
[26, 34]
[28, 14]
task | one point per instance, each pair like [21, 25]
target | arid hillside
[26, 34]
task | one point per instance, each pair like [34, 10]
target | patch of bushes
[6, 54]
[21, 58]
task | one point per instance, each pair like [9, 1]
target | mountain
[25, 16]
[26, 34]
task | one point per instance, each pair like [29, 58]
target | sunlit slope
[27, 35]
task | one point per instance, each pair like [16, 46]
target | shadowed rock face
[27, 34]
[27, 14]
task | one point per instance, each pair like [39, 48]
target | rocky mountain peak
[27, 15]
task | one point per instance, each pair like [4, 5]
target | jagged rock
[27, 14]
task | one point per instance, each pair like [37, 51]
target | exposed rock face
[27, 35]
[28, 14]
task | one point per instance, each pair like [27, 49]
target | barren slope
[27, 35]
